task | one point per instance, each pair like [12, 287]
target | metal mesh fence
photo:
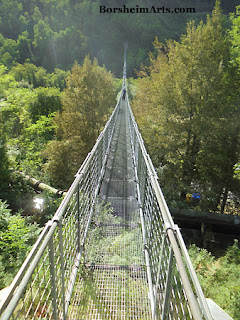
[112, 280]
[174, 289]
[43, 286]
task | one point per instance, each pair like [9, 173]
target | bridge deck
[75, 272]
[112, 281]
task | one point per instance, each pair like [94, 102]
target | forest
[60, 72]
[54, 34]
[188, 100]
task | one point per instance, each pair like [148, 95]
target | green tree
[187, 108]
[87, 101]
[28, 72]
[43, 36]
[6, 81]
[235, 36]
[4, 170]
[47, 101]
[14, 114]
[8, 51]
[67, 46]
[16, 238]
[12, 21]
[24, 47]
[31, 144]
[58, 78]
[26, 122]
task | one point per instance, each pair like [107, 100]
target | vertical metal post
[139, 173]
[149, 233]
[53, 278]
[100, 158]
[60, 235]
[106, 138]
[142, 175]
[136, 144]
[143, 184]
[78, 219]
[201, 298]
[104, 145]
[168, 286]
[158, 277]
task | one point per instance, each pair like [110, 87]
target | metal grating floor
[112, 280]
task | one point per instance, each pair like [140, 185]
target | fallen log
[38, 185]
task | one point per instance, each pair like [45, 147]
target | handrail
[44, 284]
[197, 302]
[37, 257]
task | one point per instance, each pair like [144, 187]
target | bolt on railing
[44, 284]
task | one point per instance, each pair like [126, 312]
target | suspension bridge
[124, 260]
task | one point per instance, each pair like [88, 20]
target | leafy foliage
[26, 113]
[87, 102]
[47, 102]
[26, 126]
[187, 108]
[4, 167]
[235, 36]
[16, 238]
[55, 34]
[219, 278]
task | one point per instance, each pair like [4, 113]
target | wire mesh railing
[112, 281]
[43, 287]
[48, 281]
[174, 289]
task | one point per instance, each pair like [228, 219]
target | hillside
[54, 34]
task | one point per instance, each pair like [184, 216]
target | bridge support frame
[60, 235]
[158, 277]
[53, 278]
[167, 286]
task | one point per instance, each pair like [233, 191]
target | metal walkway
[112, 283]
[124, 260]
